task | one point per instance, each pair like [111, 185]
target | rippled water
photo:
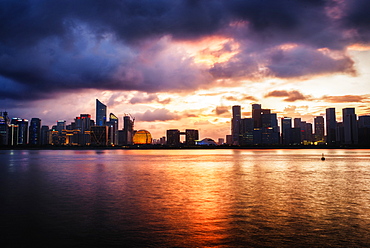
[185, 198]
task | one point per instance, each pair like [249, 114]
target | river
[185, 198]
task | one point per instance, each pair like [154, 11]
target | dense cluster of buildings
[82, 132]
[263, 129]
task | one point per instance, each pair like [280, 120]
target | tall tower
[331, 126]
[350, 126]
[101, 113]
[235, 124]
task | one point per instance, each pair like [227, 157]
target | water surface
[185, 198]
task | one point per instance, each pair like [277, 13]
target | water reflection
[221, 198]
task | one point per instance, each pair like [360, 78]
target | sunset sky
[183, 64]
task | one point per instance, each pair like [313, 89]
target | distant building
[364, 130]
[113, 129]
[235, 124]
[101, 113]
[173, 137]
[206, 142]
[331, 126]
[22, 130]
[44, 140]
[142, 137]
[350, 126]
[319, 128]
[286, 130]
[126, 134]
[191, 135]
[99, 135]
[35, 132]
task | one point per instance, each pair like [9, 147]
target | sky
[183, 63]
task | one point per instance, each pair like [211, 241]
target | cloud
[220, 110]
[49, 47]
[346, 98]
[240, 98]
[156, 115]
[291, 96]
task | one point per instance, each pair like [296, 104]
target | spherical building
[142, 137]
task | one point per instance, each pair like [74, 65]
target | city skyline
[183, 64]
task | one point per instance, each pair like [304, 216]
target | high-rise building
[331, 127]
[286, 130]
[319, 128]
[99, 135]
[35, 132]
[21, 129]
[126, 135]
[101, 113]
[4, 126]
[191, 135]
[113, 129]
[173, 137]
[44, 135]
[350, 126]
[61, 125]
[246, 130]
[235, 124]
[364, 130]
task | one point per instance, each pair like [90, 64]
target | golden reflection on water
[221, 198]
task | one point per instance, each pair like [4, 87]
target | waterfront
[185, 198]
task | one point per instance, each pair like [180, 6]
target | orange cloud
[291, 96]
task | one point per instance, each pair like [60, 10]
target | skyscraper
[319, 128]
[22, 131]
[286, 130]
[35, 132]
[101, 113]
[173, 137]
[191, 135]
[331, 126]
[350, 126]
[235, 124]
[113, 129]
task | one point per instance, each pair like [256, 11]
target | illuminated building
[350, 126]
[206, 142]
[61, 125]
[4, 128]
[319, 128]
[331, 126]
[35, 132]
[235, 124]
[101, 113]
[142, 137]
[22, 130]
[247, 128]
[83, 124]
[173, 137]
[113, 129]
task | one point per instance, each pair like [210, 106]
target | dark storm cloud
[48, 47]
